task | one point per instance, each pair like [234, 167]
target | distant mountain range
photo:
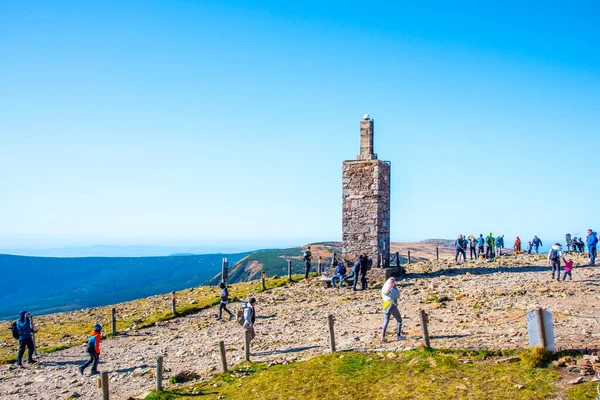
[46, 284]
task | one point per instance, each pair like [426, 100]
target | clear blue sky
[196, 122]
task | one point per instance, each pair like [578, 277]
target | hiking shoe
[80, 370]
[219, 318]
[92, 373]
[400, 337]
[231, 317]
[20, 365]
[384, 340]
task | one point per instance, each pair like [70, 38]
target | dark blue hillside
[44, 285]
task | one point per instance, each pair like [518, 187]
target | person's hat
[98, 327]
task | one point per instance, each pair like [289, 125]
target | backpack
[488, 240]
[554, 255]
[14, 330]
[240, 315]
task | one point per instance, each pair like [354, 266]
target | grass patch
[416, 374]
[587, 390]
[64, 330]
[535, 357]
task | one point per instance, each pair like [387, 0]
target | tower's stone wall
[366, 202]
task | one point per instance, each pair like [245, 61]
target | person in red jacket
[93, 349]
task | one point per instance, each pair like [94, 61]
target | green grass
[417, 374]
[587, 390]
[64, 330]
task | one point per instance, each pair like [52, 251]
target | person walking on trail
[568, 269]
[365, 265]
[249, 317]
[592, 242]
[306, 257]
[517, 246]
[23, 325]
[537, 243]
[224, 302]
[581, 245]
[461, 246]
[480, 243]
[529, 247]
[499, 245]
[472, 247]
[93, 350]
[340, 273]
[554, 256]
[489, 245]
[390, 295]
[569, 241]
[356, 271]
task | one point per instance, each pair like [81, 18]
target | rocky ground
[477, 305]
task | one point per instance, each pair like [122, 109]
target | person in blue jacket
[536, 243]
[592, 242]
[461, 248]
[25, 338]
[480, 243]
[499, 245]
[340, 273]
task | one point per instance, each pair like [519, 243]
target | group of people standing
[575, 244]
[481, 247]
[359, 271]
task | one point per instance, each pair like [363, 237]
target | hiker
[390, 296]
[581, 245]
[334, 262]
[356, 271]
[499, 245]
[480, 243]
[93, 349]
[489, 246]
[569, 241]
[365, 265]
[576, 245]
[529, 247]
[554, 256]
[592, 242]
[568, 269]
[224, 302]
[307, 256]
[340, 273]
[517, 245]
[249, 317]
[25, 332]
[536, 242]
[461, 246]
[472, 247]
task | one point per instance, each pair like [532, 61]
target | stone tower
[366, 202]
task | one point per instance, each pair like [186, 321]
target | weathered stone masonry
[366, 202]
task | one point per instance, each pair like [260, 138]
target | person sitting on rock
[390, 295]
[224, 302]
[93, 349]
[340, 273]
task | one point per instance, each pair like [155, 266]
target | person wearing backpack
[489, 245]
[460, 246]
[306, 257]
[480, 243]
[592, 242]
[93, 350]
[536, 243]
[340, 273]
[249, 313]
[554, 256]
[25, 337]
[499, 245]
[365, 265]
[224, 302]
[356, 271]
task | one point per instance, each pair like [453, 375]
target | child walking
[568, 268]
[93, 349]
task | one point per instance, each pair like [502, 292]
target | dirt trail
[485, 308]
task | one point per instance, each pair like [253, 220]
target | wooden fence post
[247, 344]
[113, 320]
[105, 386]
[541, 331]
[319, 267]
[437, 253]
[159, 373]
[290, 270]
[409, 256]
[397, 259]
[264, 277]
[331, 333]
[424, 320]
[173, 304]
[33, 334]
[223, 355]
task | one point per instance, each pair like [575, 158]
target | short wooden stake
[541, 331]
[159, 373]
[425, 331]
[290, 270]
[105, 386]
[33, 334]
[223, 355]
[409, 256]
[397, 259]
[173, 304]
[331, 333]
[320, 266]
[247, 344]
[437, 253]
[264, 277]
[113, 319]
